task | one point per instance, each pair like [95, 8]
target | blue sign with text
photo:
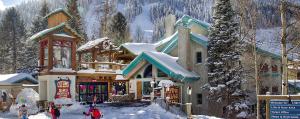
[285, 109]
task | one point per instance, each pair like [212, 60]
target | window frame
[196, 57]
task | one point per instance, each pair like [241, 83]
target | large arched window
[148, 72]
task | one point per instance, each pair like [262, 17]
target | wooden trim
[73, 55]
[282, 97]
[50, 53]
[57, 73]
[134, 71]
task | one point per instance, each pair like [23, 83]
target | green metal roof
[188, 21]
[174, 43]
[165, 63]
[61, 26]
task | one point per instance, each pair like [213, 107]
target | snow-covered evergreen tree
[119, 29]
[224, 51]
[13, 38]
[132, 9]
[31, 50]
[108, 8]
[75, 22]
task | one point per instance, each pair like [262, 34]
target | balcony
[101, 67]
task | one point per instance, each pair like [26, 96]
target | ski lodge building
[174, 68]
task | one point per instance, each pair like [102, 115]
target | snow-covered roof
[92, 44]
[166, 40]
[165, 63]
[62, 70]
[57, 11]
[16, 78]
[165, 83]
[138, 48]
[54, 29]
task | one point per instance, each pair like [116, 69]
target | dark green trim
[155, 63]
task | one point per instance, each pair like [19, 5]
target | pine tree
[107, 8]
[13, 29]
[31, 50]
[75, 22]
[224, 51]
[119, 29]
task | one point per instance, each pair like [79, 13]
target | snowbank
[29, 97]
[74, 108]
[63, 101]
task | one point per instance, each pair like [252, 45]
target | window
[62, 54]
[198, 57]
[199, 98]
[148, 72]
[138, 76]
[275, 90]
[274, 68]
[146, 88]
[45, 56]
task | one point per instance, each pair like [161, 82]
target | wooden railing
[102, 66]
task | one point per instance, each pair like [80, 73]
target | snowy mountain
[146, 14]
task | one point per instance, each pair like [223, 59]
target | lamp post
[189, 104]
[152, 94]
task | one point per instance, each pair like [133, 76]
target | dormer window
[264, 67]
[274, 68]
[199, 57]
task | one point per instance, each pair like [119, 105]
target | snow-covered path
[153, 111]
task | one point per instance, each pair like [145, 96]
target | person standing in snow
[23, 114]
[93, 112]
[55, 113]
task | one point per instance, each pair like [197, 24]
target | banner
[63, 88]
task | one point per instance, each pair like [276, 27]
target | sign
[173, 93]
[63, 88]
[285, 109]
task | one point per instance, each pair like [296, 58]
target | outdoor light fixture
[152, 84]
[290, 100]
[189, 90]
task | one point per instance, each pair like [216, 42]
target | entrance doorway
[93, 91]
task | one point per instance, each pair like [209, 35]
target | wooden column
[41, 55]
[94, 56]
[73, 55]
[267, 108]
[50, 53]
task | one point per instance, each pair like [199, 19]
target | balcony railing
[102, 66]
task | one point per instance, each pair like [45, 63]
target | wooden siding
[57, 19]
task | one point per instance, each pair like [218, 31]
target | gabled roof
[53, 30]
[188, 21]
[58, 11]
[200, 39]
[16, 78]
[138, 48]
[165, 63]
[92, 44]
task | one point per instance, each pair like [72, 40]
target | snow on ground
[153, 111]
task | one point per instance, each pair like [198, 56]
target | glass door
[93, 91]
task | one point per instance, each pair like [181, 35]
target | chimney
[184, 47]
[169, 25]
